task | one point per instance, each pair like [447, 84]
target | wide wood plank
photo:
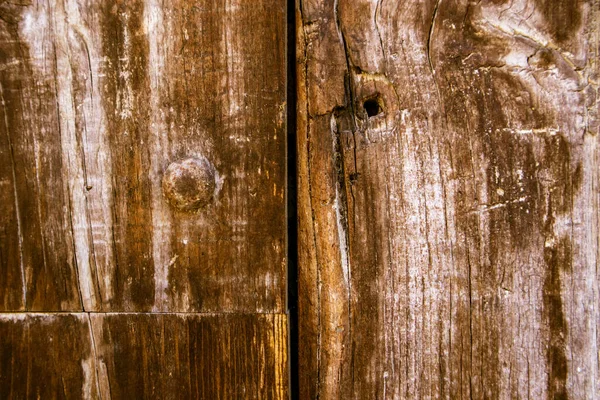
[143, 356]
[448, 199]
[98, 98]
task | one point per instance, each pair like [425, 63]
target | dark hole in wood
[372, 107]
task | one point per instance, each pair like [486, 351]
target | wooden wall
[106, 291]
[448, 199]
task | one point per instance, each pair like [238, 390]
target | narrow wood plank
[37, 259]
[448, 199]
[47, 356]
[98, 98]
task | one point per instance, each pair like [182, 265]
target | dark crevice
[341, 178]
[429, 44]
[292, 203]
[373, 106]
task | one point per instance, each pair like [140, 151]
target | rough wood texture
[448, 199]
[46, 356]
[97, 99]
[143, 356]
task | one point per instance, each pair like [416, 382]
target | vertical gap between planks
[292, 201]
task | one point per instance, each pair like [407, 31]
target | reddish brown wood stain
[135, 298]
[46, 356]
[125, 97]
[39, 266]
[170, 356]
[192, 356]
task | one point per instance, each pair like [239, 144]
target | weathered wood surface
[143, 356]
[448, 199]
[46, 356]
[97, 99]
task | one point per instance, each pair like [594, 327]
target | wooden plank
[37, 260]
[166, 356]
[172, 356]
[98, 98]
[47, 356]
[448, 199]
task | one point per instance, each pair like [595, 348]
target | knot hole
[373, 105]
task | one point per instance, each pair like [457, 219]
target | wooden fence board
[448, 199]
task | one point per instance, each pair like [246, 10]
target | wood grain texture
[190, 356]
[143, 356]
[47, 356]
[448, 199]
[37, 256]
[97, 99]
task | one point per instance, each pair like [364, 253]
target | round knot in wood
[189, 184]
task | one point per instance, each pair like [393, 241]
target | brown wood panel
[180, 356]
[143, 356]
[47, 356]
[38, 267]
[98, 98]
[448, 199]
